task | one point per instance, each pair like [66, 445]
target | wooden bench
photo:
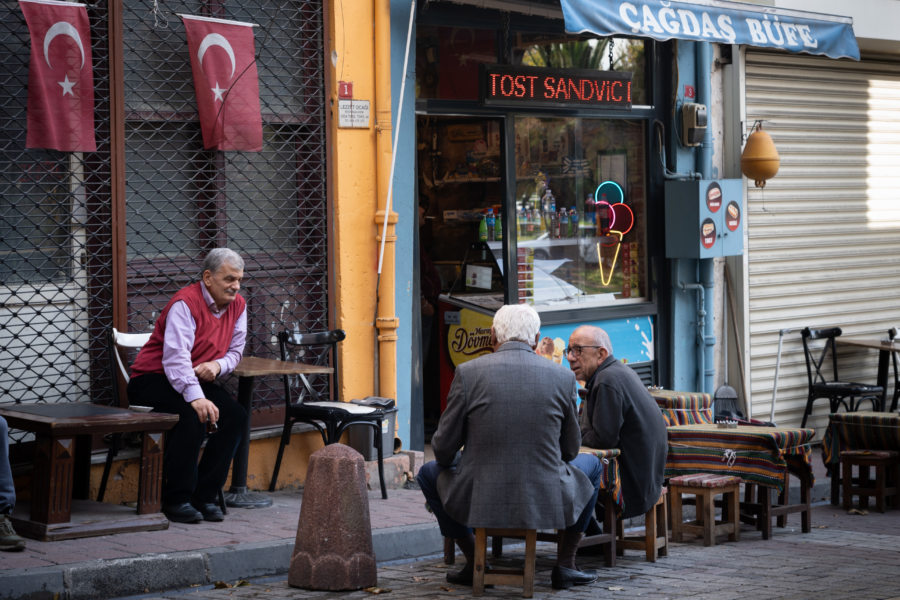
[61, 477]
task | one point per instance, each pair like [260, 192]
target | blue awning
[715, 21]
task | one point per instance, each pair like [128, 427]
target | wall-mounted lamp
[759, 160]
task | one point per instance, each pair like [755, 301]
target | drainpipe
[386, 322]
[701, 320]
[703, 158]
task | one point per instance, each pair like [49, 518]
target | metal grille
[56, 234]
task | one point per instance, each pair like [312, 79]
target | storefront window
[580, 211]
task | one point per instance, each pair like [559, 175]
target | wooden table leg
[150, 482]
[52, 483]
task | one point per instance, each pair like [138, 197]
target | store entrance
[460, 190]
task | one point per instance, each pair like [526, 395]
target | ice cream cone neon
[605, 278]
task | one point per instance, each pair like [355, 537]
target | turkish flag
[60, 77]
[225, 82]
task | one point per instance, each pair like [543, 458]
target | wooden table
[758, 455]
[247, 371]
[684, 408]
[862, 430]
[61, 477]
[885, 347]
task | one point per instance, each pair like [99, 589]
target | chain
[159, 19]
[611, 44]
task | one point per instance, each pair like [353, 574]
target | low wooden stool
[885, 485]
[504, 575]
[655, 539]
[705, 487]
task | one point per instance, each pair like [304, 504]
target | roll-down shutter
[824, 234]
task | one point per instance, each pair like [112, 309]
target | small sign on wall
[353, 113]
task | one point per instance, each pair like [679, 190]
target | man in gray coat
[620, 413]
[506, 449]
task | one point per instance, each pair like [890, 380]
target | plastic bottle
[483, 229]
[602, 216]
[498, 227]
[590, 215]
[491, 224]
[573, 222]
[563, 222]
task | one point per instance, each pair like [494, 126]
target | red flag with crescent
[60, 77]
[225, 82]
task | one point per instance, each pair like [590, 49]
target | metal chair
[329, 418]
[892, 334]
[119, 343]
[848, 394]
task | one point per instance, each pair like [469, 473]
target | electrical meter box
[704, 218]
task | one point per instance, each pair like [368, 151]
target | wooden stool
[655, 539]
[705, 487]
[504, 575]
[887, 477]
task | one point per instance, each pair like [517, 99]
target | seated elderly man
[507, 449]
[620, 413]
[198, 337]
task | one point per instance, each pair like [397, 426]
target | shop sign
[716, 21]
[533, 86]
[470, 337]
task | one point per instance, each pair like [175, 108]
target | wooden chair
[706, 486]
[885, 486]
[823, 384]
[893, 332]
[523, 576]
[654, 541]
[330, 419]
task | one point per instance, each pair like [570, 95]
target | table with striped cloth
[864, 430]
[760, 455]
[683, 408]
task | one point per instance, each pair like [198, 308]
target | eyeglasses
[575, 350]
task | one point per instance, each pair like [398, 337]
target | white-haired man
[506, 449]
[198, 337]
[620, 413]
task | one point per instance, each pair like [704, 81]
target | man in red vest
[198, 337]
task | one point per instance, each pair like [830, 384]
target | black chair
[893, 332]
[848, 394]
[330, 419]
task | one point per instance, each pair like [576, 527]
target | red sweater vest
[211, 338]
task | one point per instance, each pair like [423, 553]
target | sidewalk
[257, 543]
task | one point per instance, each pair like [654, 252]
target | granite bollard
[333, 549]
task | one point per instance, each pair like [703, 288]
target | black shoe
[182, 513]
[462, 577]
[562, 578]
[210, 511]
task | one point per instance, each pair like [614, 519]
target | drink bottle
[563, 222]
[573, 221]
[498, 227]
[482, 229]
[491, 224]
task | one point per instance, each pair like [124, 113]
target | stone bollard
[333, 549]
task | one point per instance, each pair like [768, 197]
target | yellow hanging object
[759, 160]
[605, 278]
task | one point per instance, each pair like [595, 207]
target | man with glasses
[619, 412]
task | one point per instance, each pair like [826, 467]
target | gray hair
[220, 256]
[601, 338]
[517, 322]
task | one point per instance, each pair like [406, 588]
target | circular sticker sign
[708, 233]
[733, 216]
[714, 197]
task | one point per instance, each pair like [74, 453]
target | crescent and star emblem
[216, 39]
[63, 28]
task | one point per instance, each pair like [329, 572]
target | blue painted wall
[404, 204]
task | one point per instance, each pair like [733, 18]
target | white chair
[119, 343]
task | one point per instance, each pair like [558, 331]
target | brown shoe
[9, 540]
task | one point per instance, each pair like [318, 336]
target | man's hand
[208, 371]
[206, 410]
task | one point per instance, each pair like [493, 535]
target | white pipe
[390, 190]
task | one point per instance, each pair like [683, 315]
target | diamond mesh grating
[56, 233]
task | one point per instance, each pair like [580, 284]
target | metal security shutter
[824, 234]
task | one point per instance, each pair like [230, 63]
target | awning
[715, 21]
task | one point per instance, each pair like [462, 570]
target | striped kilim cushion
[705, 480]
[870, 453]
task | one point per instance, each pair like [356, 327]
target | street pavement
[247, 556]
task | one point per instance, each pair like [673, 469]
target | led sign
[532, 86]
